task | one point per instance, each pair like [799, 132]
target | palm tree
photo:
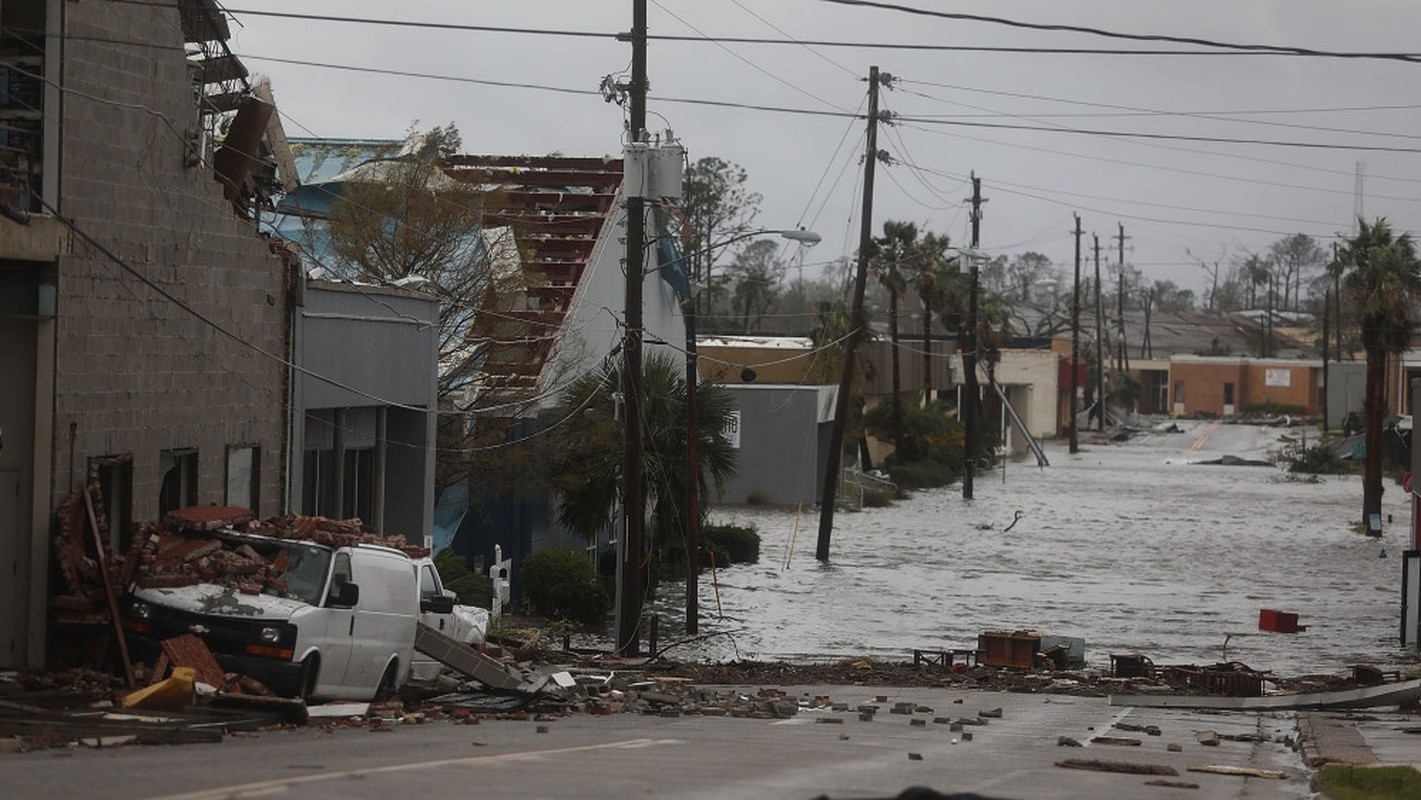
[891, 253]
[930, 275]
[1383, 279]
[587, 468]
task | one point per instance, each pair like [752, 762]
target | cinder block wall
[135, 372]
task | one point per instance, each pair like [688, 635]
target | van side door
[384, 620]
[339, 629]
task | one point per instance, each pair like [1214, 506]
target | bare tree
[1294, 256]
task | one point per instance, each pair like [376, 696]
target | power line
[1133, 37]
[1190, 172]
[1217, 116]
[762, 70]
[1166, 136]
[1224, 48]
[1158, 145]
[846, 114]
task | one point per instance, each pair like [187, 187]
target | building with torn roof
[550, 239]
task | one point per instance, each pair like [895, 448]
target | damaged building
[144, 323]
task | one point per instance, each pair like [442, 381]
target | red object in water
[1270, 619]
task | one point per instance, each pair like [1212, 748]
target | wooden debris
[1172, 784]
[1246, 772]
[1096, 765]
[1123, 741]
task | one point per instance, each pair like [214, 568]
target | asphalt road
[621, 756]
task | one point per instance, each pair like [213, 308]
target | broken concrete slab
[464, 659]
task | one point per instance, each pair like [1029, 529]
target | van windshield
[302, 565]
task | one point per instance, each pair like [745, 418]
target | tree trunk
[1373, 410]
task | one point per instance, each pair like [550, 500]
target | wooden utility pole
[1123, 361]
[1099, 343]
[857, 324]
[630, 592]
[693, 462]
[969, 358]
[1326, 332]
[1076, 341]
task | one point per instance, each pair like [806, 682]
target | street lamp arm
[803, 237]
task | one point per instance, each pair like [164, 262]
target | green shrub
[877, 498]
[470, 588]
[713, 554]
[1274, 409]
[1318, 459]
[562, 584]
[738, 544]
[923, 474]
[1344, 782]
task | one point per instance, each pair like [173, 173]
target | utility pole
[1099, 343]
[969, 358]
[1076, 341]
[693, 462]
[629, 593]
[1326, 333]
[1123, 362]
[857, 324]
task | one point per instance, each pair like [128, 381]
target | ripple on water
[1125, 550]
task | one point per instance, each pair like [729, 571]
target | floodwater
[1133, 546]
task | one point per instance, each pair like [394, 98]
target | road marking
[1118, 717]
[1203, 437]
[260, 788]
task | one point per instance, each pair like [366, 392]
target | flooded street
[1131, 546]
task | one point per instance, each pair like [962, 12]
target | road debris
[1096, 765]
[1246, 772]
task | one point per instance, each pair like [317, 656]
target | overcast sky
[1180, 201]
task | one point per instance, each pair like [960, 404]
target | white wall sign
[1278, 377]
[732, 429]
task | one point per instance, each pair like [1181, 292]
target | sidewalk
[1377, 737]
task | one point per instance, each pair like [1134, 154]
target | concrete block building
[143, 321]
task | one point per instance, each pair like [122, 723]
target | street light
[693, 489]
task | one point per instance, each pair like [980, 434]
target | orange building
[1224, 386]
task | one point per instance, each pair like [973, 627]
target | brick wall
[1204, 383]
[135, 373]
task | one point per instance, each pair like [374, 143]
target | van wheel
[310, 671]
[387, 688]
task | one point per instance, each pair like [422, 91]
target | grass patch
[1339, 782]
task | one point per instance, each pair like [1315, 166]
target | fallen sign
[1387, 694]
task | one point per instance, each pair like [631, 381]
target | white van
[344, 628]
[437, 609]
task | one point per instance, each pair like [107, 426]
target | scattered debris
[1096, 765]
[1172, 784]
[172, 694]
[1122, 741]
[1247, 772]
[1275, 621]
